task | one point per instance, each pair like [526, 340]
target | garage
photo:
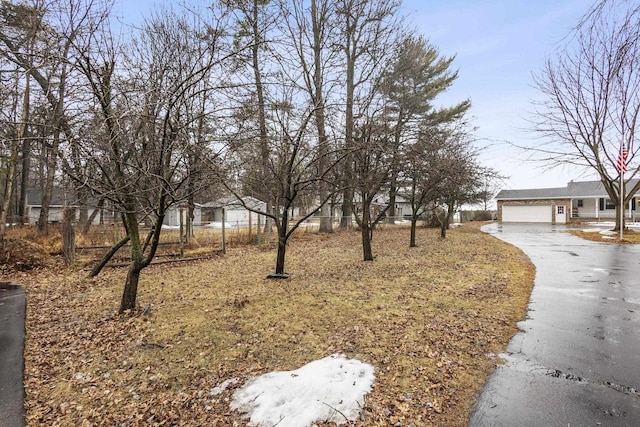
[527, 213]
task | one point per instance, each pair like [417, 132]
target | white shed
[236, 214]
[172, 215]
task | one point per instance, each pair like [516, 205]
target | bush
[483, 216]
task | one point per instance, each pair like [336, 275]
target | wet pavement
[576, 359]
[12, 316]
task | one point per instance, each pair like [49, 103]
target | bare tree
[296, 165]
[310, 28]
[11, 161]
[20, 26]
[372, 170]
[591, 100]
[59, 26]
[366, 30]
[255, 21]
[145, 122]
[443, 173]
[422, 174]
[463, 182]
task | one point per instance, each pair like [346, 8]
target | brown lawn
[628, 236]
[430, 319]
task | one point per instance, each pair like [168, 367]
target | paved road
[12, 312]
[576, 360]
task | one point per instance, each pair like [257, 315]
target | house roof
[233, 202]
[534, 193]
[574, 189]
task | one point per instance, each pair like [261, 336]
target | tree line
[326, 104]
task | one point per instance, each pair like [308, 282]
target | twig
[336, 410]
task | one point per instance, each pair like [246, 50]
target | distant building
[579, 199]
[236, 214]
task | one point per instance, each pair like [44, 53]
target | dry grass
[629, 236]
[427, 318]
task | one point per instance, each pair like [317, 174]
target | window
[609, 205]
[580, 203]
[560, 210]
[605, 204]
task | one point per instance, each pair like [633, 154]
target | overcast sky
[498, 44]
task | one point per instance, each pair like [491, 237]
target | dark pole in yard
[180, 212]
[224, 240]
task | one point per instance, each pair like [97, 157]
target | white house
[583, 200]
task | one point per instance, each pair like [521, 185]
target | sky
[499, 45]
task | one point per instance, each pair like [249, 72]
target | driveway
[12, 312]
[576, 359]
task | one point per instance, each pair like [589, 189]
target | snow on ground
[608, 233]
[612, 224]
[329, 389]
[170, 227]
[218, 224]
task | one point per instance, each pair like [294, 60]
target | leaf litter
[428, 319]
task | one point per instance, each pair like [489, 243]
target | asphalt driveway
[12, 316]
[576, 359]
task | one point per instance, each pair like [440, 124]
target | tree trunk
[24, 183]
[68, 236]
[11, 171]
[282, 251]
[326, 223]
[130, 292]
[347, 208]
[282, 247]
[350, 58]
[26, 154]
[365, 229]
[13, 159]
[450, 213]
[107, 257]
[47, 190]
[262, 115]
[391, 218]
[443, 226]
[83, 209]
[97, 210]
[412, 239]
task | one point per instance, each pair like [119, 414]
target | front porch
[600, 208]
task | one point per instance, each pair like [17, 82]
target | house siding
[543, 202]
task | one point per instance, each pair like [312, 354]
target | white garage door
[526, 213]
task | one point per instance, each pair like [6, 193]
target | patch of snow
[608, 233]
[218, 225]
[330, 389]
[612, 224]
[170, 227]
[592, 230]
